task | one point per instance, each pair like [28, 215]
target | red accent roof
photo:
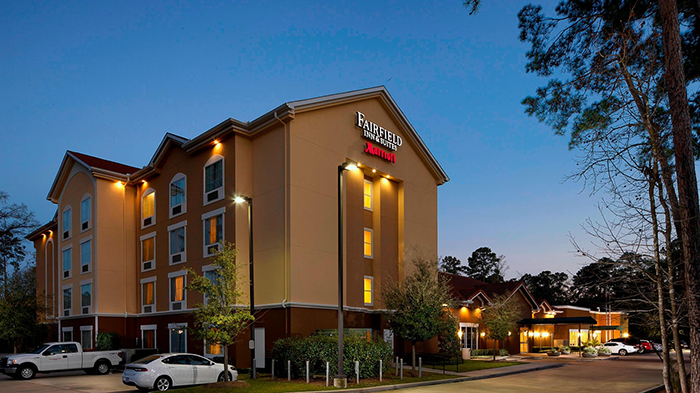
[506, 288]
[466, 287]
[104, 164]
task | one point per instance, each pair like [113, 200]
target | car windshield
[148, 359]
[39, 349]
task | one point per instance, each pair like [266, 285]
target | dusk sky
[110, 78]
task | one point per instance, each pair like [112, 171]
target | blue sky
[111, 78]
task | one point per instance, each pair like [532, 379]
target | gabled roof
[51, 225]
[508, 289]
[99, 167]
[467, 288]
[168, 140]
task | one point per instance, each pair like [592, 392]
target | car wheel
[26, 372]
[622, 352]
[162, 384]
[221, 377]
[102, 368]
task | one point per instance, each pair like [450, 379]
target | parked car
[630, 341]
[164, 371]
[658, 347]
[645, 346]
[619, 348]
[52, 357]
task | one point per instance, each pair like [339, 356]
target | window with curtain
[213, 233]
[368, 195]
[368, 243]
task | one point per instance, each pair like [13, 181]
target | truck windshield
[39, 349]
[148, 359]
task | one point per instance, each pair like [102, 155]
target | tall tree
[21, 313]
[553, 287]
[452, 265]
[16, 220]
[219, 320]
[485, 265]
[419, 306]
[500, 319]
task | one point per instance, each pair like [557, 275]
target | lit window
[66, 223]
[177, 291]
[148, 295]
[178, 195]
[177, 234]
[213, 233]
[85, 256]
[85, 298]
[85, 213]
[368, 243]
[368, 290]
[212, 349]
[368, 195]
[214, 179]
[148, 208]
[148, 336]
[67, 256]
[148, 252]
[67, 301]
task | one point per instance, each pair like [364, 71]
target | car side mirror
[212, 363]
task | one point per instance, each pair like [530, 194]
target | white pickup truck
[51, 357]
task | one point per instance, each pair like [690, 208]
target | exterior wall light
[483, 334]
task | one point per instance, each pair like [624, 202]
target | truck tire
[26, 372]
[101, 367]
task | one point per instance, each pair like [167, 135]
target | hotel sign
[380, 136]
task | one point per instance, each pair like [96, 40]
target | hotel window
[212, 274]
[67, 301]
[148, 252]
[178, 295]
[148, 336]
[368, 195]
[178, 337]
[211, 350]
[85, 213]
[368, 249]
[148, 295]
[178, 197]
[148, 208]
[213, 231]
[368, 290]
[214, 179]
[67, 334]
[86, 337]
[85, 298]
[86, 256]
[177, 233]
[66, 223]
[67, 257]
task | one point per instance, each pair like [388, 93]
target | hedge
[107, 341]
[488, 352]
[319, 349]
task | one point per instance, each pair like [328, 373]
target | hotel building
[112, 259]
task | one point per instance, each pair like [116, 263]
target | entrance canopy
[560, 321]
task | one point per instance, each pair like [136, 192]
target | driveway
[69, 381]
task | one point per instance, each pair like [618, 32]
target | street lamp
[249, 200]
[340, 380]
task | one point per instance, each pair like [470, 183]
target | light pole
[249, 200]
[340, 381]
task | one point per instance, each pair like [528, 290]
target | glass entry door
[470, 335]
[523, 341]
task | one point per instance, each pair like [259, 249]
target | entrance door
[523, 341]
[259, 347]
[470, 335]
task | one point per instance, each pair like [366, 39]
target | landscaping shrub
[107, 341]
[488, 352]
[319, 349]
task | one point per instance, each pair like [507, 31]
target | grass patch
[264, 385]
[474, 365]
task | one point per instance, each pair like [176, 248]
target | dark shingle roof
[104, 164]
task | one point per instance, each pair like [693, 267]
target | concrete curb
[446, 381]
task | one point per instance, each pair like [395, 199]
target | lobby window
[368, 195]
[177, 234]
[67, 257]
[213, 231]
[86, 256]
[86, 337]
[368, 249]
[214, 179]
[66, 222]
[148, 208]
[148, 336]
[212, 349]
[178, 195]
[178, 337]
[67, 301]
[148, 252]
[148, 295]
[67, 334]
[177, 290]
[85, 213]
[85, 298]
[368, 290]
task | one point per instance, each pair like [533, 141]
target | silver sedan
[163, 371]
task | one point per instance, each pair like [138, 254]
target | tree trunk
[685, 174]
[413, 356]
[225, 362]
[495, 349]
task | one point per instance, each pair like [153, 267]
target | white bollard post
[420, 367]
[289, 370]
[273, 370]
[401, 368]
[307, 371]
[327, 372]
[380, 370]
[357, 371]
